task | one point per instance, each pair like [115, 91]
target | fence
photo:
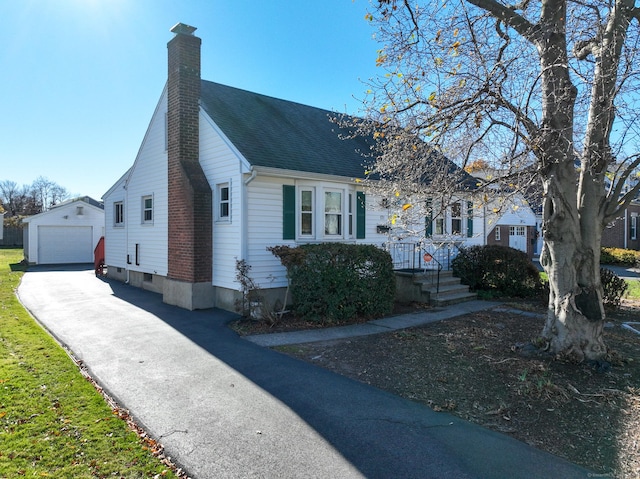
[12, 236]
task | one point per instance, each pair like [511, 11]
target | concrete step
[445, 288]
[428, 287]
[447, 299]
[450, 280]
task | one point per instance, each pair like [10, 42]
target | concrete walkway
[225, 407]
[376, 326]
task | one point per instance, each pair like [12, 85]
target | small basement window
[147, 277]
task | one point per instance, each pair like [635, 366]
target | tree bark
[570, 254]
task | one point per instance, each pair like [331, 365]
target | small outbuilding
[67, 233]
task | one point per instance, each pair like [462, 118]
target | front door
[518, 237]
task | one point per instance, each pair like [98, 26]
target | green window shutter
[288, 212]
[469, 219]
[428, 221]
[361, 217]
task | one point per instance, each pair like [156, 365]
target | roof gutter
[254, 173]
[282, 173]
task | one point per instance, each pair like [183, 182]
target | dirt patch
[473, 367]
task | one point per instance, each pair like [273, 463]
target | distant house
[67, 233]
[513, 219]
[224, 173]
[623, 232]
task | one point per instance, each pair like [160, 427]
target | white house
[224, 173]
[66, 233]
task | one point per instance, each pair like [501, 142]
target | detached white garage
[67, 233]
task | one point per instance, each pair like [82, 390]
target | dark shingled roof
[282, 134]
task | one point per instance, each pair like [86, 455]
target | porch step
[449, 291]
[441, 299]
[437, 291]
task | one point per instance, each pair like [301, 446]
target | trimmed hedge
[620, 256]
[500, 269]
[333, 282]
[614, 288]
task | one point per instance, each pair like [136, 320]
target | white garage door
[65, 244]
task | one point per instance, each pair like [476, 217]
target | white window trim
[341, 214]
[497, 233]
[219, 202]
[118, 205]
[458, 218]
[634, 227]
[300, 213]
[144, 209]
[318, 211]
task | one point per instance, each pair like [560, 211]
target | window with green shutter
[288, 212]
[469, 219]
[360, 215]
[428, 221]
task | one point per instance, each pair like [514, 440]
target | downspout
[484, 225]
[126, 227]
[626, 227]
[245, 211]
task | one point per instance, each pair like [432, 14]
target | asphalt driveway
[227, 408]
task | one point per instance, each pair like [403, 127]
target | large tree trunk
[571, 258]
[571, 251]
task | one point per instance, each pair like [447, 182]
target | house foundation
[188, 295]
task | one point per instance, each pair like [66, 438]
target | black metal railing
[428, 258]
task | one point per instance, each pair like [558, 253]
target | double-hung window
[118, 213]
[333, 213]
[317, 213]
[306, 212]
[633, 228]
[147, 209]
[456, 219]
[224, 202]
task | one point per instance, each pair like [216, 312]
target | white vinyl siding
[148, 178]
[264, 229]
[222, 166]
[115, 235]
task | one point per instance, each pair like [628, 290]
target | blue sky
[81, 78]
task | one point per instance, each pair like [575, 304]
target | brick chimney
[188, 282]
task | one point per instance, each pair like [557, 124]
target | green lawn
[53, 422]
[634, 289]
